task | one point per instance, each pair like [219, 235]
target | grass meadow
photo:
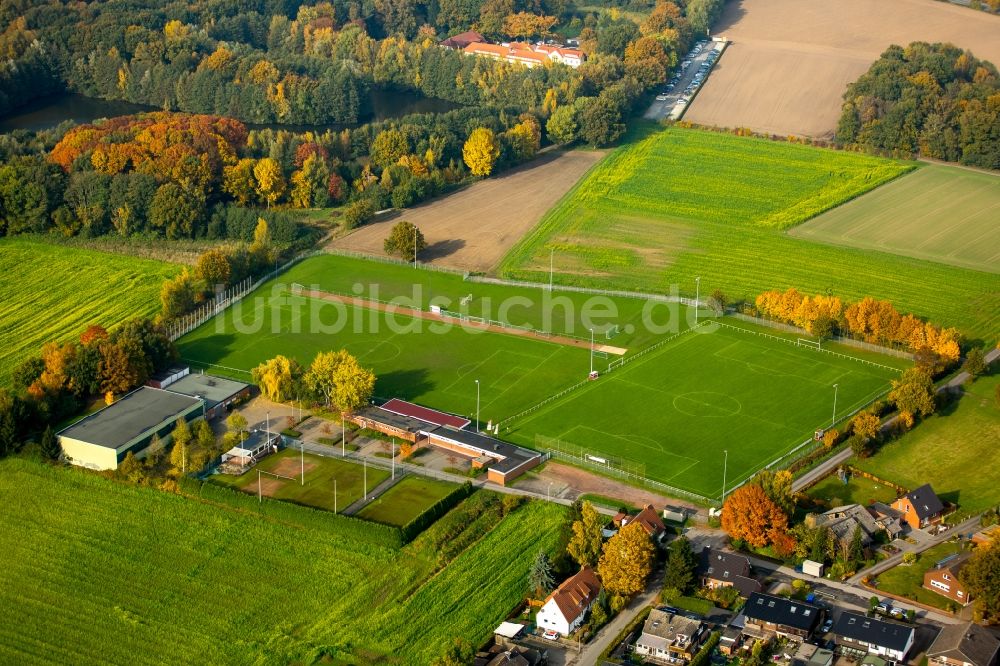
[102, 572]
[948, 450]
[908, 581]
[317, 491]
[406, 500]
[681, 203]
[53, 292]
[940, 213]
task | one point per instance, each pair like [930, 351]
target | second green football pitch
[723, 402]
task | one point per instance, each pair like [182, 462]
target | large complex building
[522, 53]
[103, 439]
[420, 425]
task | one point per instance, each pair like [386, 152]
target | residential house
[730, 641]
[513, 655]
[460, 41]
[844, 520]
[718, 568]
[767, 614]
[920, 507]
[943, 578]
[808, 654]
[650, 521]
[965, 645]
[670, 638]
[887, 518]
[565, 608]
[856, 632]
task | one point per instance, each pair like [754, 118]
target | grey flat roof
[213, 389]
[121, 422]
[514, 456]
[394, 420]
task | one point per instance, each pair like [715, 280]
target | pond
[47, 113]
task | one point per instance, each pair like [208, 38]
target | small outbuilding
[103, 439]
[217, 392]
[812, 568]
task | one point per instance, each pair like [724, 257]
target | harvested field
[474, 227]
[791, 61]
[940, 213]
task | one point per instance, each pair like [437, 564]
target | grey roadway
[658, 110]
[839, 458]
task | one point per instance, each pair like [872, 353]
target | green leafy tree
[237, 425]
[585, 544]
[50, 445]
[357, 213]
[405, 240]
[975, 362]
[981, 574]
[540, 577]
[180, 455]
[600, 122]
[177, 295]
[913, 393]
[387, 148]
[856, 548]
[460, 653]
[561, 125]
[682, 563]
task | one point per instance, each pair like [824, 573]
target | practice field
[472, 228]
[53, 292]
[948, 451]
[684, 203]
[940, 213]
[317, 491]
[106, 573]
[675, 411]
[406, 500]
[411, 357]
[791, 61]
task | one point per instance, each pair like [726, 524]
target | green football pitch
[672, 414]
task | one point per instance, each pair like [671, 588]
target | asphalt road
[659, 110]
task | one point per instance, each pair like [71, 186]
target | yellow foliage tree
[277, 378]
[627, 561]
[270, 183]
[481, 151]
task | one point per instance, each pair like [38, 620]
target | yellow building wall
[88, 455]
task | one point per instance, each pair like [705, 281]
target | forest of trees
[932, 100]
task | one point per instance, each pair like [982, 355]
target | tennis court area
[674, 413]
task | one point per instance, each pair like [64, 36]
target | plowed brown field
[791, 60]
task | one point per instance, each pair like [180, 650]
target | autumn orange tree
[749, 515]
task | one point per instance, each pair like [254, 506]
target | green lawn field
[908, 581]
[411, 361]
[940, 213]
[857, 490]
[105, 573]
[942, 450]
[318, 488]
[53, 292]
[406, 500]
[676, 410]
[680, 204]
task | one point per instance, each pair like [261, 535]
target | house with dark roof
[670, 638]
[564, 610]
[767, 614]
[965, 645]
[920, 507]
[717, 568]
[648, 518]
[942, 578]
[890, 640]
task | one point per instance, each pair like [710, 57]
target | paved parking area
[682, 85]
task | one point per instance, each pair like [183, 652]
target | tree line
[932, 100]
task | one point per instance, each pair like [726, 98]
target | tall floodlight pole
[343, 437]
[552, 254]
[365, 463]
[835, 389]
[260, 498]
[697, 298]
[335, 495]
[591, 351]
[477, 407]
[725, 468]
[392, 456]
[414, 246]
[302, 460]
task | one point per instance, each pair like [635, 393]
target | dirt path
[790, 61]
[570, 482]
[421, 314]
[473, 228]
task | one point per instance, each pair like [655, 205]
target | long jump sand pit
[473, 228]
[790, 61]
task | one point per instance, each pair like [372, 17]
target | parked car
[551, 635]
[884, 608]
[827, 626]
[661, 98]
[898, 613]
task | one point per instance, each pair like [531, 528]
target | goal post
[803, 342]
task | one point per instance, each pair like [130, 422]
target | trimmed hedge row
[705, 653]
[339, 526]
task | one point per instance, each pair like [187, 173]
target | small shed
[811, 568]
[674, 514]
[507, 632]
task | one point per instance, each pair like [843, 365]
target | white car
[661, 98]
[551, 635]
